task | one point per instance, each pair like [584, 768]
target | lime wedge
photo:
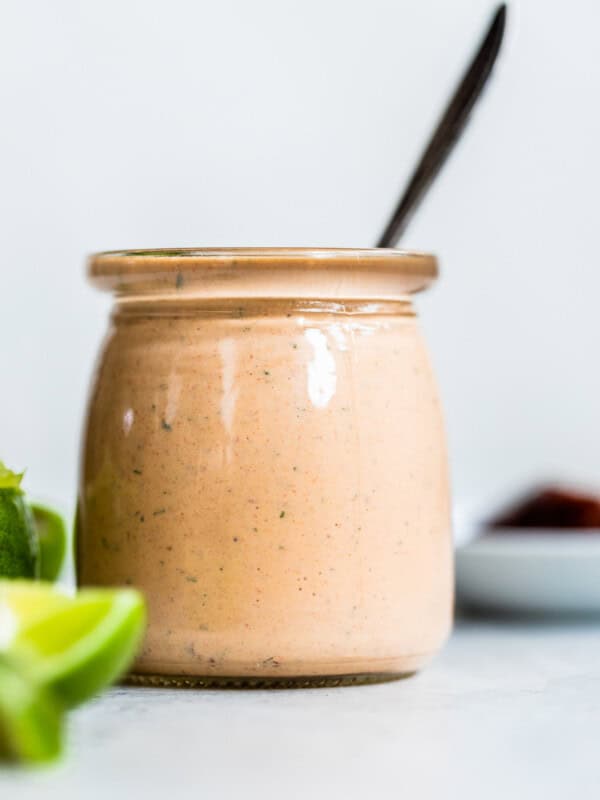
[85, 644]
[55, 652]
[30, 720]
[52, 539]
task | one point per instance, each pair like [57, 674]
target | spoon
[448, 130]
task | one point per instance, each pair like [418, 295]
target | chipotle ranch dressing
[264, 458]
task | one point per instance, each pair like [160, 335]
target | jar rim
[114, 262]
[409, 271]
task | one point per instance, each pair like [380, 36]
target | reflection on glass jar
[264, 457]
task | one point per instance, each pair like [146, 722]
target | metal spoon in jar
[448, 130]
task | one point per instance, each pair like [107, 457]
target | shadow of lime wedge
[52, 539]
[85, 645]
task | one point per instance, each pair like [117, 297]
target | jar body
[272, 474]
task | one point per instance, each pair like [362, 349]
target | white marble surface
[508, 710]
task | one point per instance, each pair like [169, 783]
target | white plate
[531, 572]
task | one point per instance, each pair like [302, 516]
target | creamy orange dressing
[271, 472]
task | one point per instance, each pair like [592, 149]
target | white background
[132, 124]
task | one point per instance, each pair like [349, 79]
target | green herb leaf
[9, 479]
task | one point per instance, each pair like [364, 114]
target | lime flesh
[24, 602]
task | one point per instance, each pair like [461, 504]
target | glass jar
[264, 458]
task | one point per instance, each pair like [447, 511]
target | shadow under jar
[264, 457]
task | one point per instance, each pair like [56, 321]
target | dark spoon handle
[448, 129]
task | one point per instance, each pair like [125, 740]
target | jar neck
[248, 307]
